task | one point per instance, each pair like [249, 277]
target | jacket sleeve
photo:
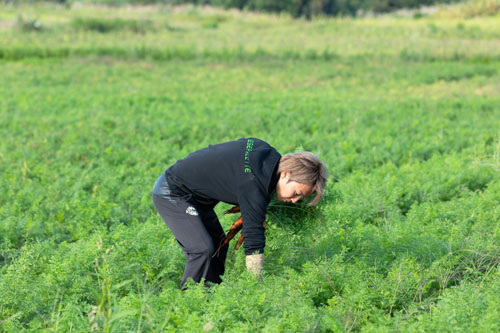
[253, 203]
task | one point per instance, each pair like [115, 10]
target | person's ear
[286, 175]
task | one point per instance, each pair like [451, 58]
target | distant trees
[307, 8]
[296, 8]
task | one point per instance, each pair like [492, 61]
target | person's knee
[200, 250]
[206, 250]
[209, 250]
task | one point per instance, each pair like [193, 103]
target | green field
[96, 102]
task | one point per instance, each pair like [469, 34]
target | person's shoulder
[256, 142]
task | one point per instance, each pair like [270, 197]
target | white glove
[255, 263]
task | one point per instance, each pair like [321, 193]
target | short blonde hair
[306, 168]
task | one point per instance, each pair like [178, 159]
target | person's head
[301, 174]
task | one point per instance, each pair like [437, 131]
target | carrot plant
[403, 111]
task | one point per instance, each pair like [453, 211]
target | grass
[160, 30]
[403, 111]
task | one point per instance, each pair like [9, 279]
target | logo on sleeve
[248, 149]
[191, 211]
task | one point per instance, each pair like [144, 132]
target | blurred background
[400, 98]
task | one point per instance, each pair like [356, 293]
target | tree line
[296, 8]
[308, 8]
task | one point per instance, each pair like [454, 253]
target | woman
[244, 172]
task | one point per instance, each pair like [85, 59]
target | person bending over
[244, 172]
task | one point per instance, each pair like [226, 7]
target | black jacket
[241, 172]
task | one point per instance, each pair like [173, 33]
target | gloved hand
[255, 263]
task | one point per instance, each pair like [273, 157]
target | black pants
[197, 230]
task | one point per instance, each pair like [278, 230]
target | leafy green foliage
[405, 239]
[300, 8]
[28, 24]
[108, 25]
